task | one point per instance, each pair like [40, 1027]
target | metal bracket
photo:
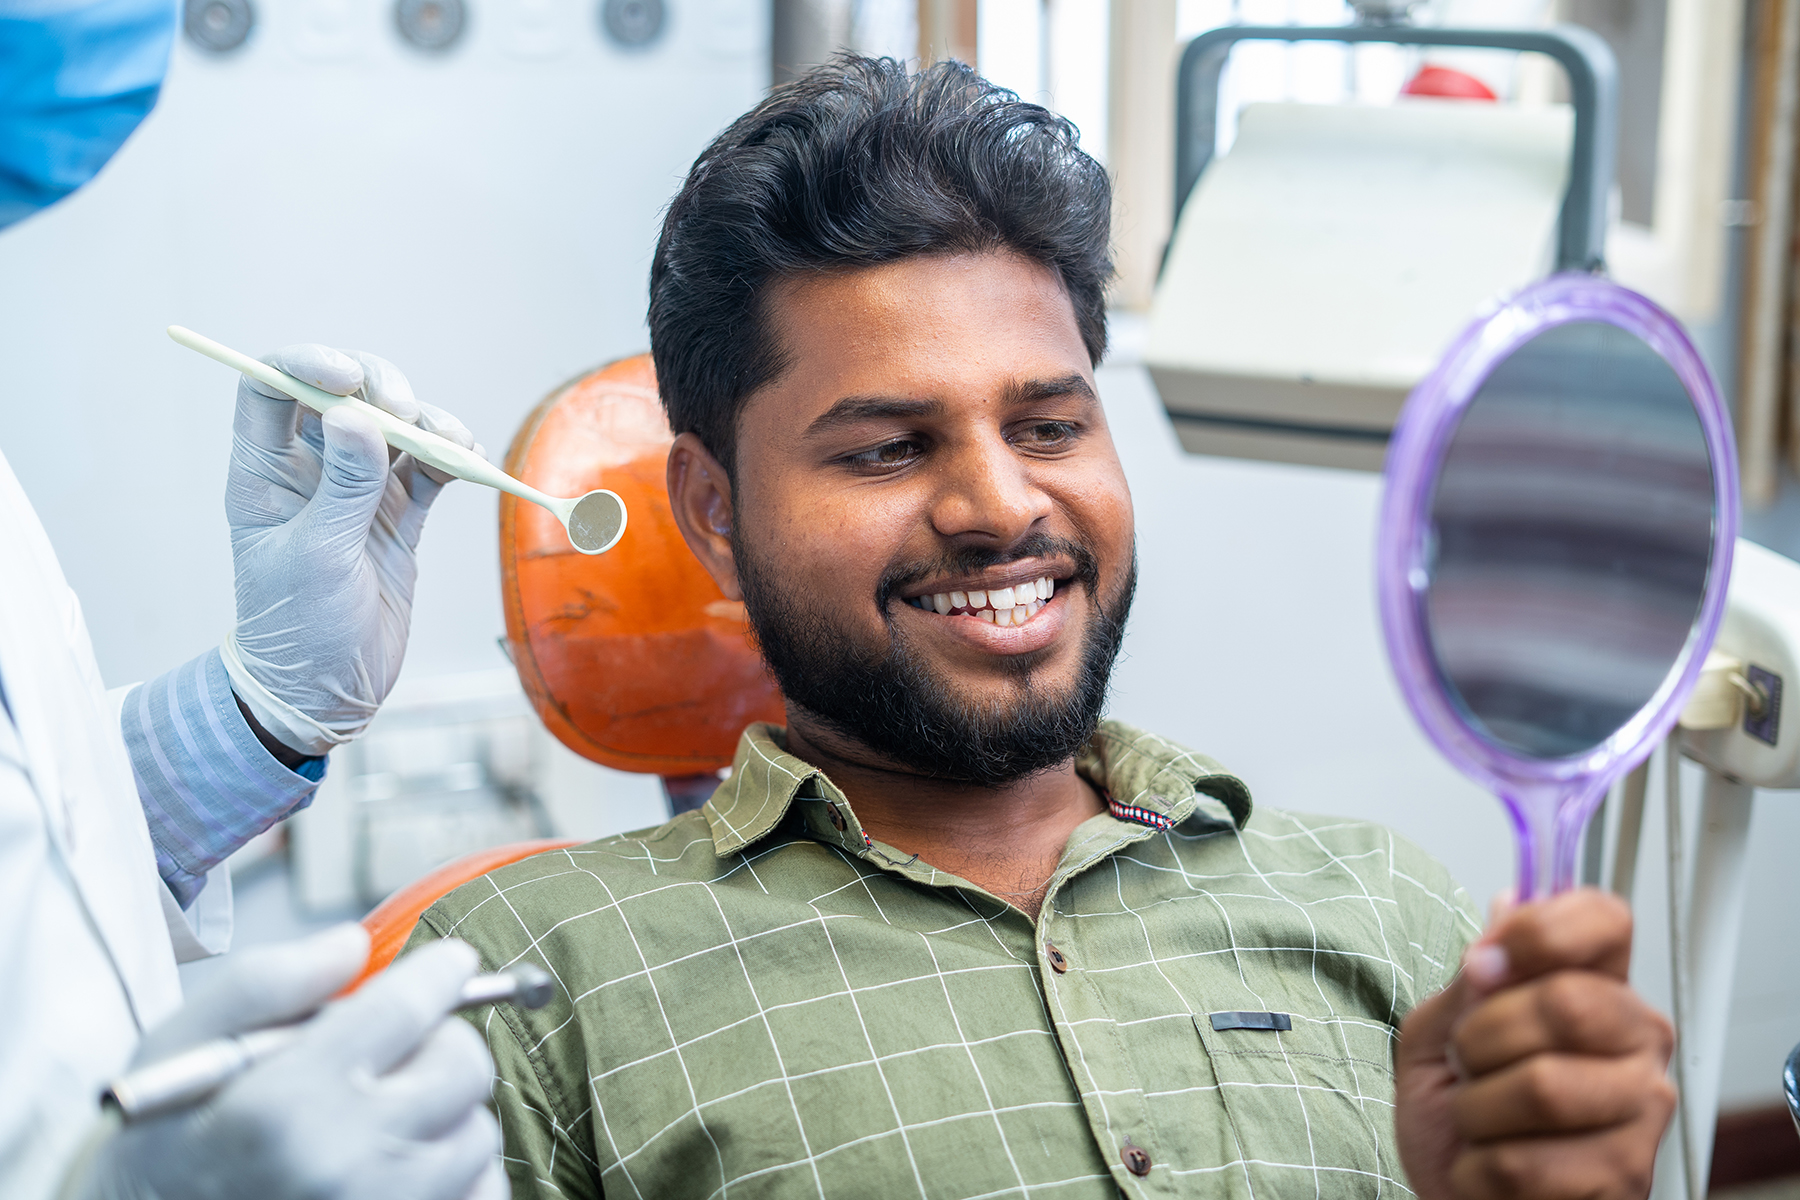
[1762, 709]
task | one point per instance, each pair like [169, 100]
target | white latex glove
[383, 1097]
[324, 521]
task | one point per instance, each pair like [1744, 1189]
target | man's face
[934, 443]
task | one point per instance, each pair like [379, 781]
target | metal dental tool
[193, 1075]
[594, 522]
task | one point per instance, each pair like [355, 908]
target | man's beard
[894, 705]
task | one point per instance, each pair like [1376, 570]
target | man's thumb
[353, 475]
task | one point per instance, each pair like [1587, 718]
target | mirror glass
[1570, 533]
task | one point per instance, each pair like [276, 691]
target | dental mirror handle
[423, 445]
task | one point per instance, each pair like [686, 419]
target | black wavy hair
[857, 163]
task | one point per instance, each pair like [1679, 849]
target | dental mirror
[1554, 549]
[594, 522]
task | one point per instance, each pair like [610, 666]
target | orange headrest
[633, 658]
[391, 922]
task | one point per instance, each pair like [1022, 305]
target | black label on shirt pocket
[1273, 1021]
[1312, 1105]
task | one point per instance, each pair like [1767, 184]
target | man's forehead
[923, 325]
[885, 291]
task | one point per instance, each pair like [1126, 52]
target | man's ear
[700, 495]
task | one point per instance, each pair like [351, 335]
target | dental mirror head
[596, 522]
[1554, 549]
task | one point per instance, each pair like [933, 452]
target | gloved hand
[324, 521]
[381, 1098]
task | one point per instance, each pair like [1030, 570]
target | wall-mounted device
[1319, 269]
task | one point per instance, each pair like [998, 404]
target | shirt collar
[1133, 767]
[1145, 771]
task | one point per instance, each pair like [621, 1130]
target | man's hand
[383, 1097]
[324, 521]
[1538, 1072]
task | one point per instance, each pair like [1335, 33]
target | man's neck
[1006, 840]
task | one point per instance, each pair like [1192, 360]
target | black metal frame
[1593, 86]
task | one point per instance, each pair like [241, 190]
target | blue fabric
[207, 785]
[75, 79]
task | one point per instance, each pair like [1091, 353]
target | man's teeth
[1006, 607]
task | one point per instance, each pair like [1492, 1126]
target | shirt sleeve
[206, 783]
[1441, 918]
[543, 1158]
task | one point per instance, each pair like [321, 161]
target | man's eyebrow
[852, 410]
[1025, 391]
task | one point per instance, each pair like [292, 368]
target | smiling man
[948, 933]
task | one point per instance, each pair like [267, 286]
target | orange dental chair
[632, 658]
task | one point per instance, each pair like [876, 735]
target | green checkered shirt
[757, 1001]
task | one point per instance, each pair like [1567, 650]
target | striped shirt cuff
[207, 785]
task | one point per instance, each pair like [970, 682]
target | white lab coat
[89, 936]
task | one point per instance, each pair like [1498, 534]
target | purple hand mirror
[1554, 551]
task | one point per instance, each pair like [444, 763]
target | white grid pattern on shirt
[1281, 863]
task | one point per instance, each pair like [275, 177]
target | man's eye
[1049, 435]
[888, 454]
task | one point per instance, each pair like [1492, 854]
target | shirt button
[1136, 1159]
[1058, 962]
[837, 818]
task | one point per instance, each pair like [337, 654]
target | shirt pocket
[1312, 1106]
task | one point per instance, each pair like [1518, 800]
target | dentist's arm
[325, 520]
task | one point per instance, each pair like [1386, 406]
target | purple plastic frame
[1549, 800]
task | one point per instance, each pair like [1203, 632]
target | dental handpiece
[191, 1076]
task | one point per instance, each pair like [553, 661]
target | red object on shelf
[1447, 83]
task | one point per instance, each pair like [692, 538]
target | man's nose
[987, 492]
